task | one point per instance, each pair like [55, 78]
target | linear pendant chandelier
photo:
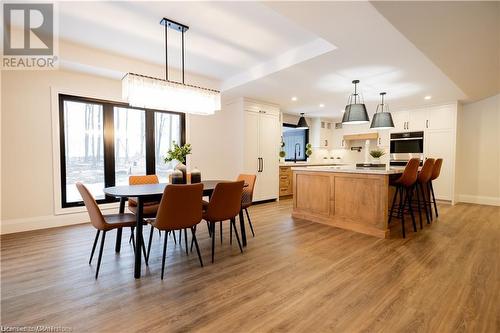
[153, 93]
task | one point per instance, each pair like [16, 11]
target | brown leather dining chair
[405, 185]
[150, 207]
[423, 179]
[102, 222]
[225, 204]
[180, 208]
[436, 171]
[246, 199]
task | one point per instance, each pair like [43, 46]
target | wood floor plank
[294, 276]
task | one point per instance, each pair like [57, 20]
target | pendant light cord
[166, 52]
[182, 56]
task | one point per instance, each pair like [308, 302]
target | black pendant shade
[302, 122]
[355, 114]
[355, 111]
[382, 120]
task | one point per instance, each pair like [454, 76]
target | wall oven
[405, 146]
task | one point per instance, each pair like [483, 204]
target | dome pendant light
[355, 110]
[302, 122]
[382, 120]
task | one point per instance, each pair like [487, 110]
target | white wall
[478, 152]
[27, 190]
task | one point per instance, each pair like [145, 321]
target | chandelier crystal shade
[382, 119]
[154, 93]
[355, 111]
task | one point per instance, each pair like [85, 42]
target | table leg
[243, 231]
[119, 231]
[138, 238]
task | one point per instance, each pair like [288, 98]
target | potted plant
[376, 154]
[179, 153]
[309, 150]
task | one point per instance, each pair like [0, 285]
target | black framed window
[295, 140]
[103, 142]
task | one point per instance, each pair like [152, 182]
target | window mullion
[150, 142]
[109, 145]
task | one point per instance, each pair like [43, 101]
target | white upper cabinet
[400, 120]
[435, 117]
[441, 117]
[321, 132]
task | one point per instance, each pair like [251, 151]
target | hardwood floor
[294, 275]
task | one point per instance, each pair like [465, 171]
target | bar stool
[404, 187]
[436, 171]
[423, 179]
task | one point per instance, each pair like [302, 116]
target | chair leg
[150, 241]
[250, 222]
[192, 238]
[164, 255]
[418, 206]
[143, 246]
[401, 212]
[173, 235]
[209, 229]
[93, 246]
[393, 202]
[133, 238]
[193, 233]
[429, 201]
[233, 223]
[424, 203]
[186, 240]
[131, 235]
[220, 224]
[212, 225]
[180, 237]
[100, 254]
[409, 196]
[230, 235]
[434, 199]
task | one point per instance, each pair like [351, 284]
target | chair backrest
[225, 202]
[436, 171]
[95, 214]
[247, 197]
[142, 180]
[409, 176]
[180, 207]
[425, 173]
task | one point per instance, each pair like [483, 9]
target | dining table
[153, 192]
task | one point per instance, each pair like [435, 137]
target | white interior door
[269, 152]
[439, 144]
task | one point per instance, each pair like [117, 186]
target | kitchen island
[346, 197]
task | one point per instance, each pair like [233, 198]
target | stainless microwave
[405, 146]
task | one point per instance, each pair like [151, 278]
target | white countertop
[299, 164]
[351, 169]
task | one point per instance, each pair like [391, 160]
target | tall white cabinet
[261, 147]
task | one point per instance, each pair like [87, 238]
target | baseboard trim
[44, 222]
[481, 200]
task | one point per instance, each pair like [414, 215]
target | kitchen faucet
[295, 153]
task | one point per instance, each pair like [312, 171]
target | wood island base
[356, 201]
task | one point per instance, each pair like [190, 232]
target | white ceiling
[369, 49]
[271, 50]
[224, 39]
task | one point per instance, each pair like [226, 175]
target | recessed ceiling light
[294, 98]
[322, 105]
[428, 97]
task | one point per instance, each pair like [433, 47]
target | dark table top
[152, 189]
